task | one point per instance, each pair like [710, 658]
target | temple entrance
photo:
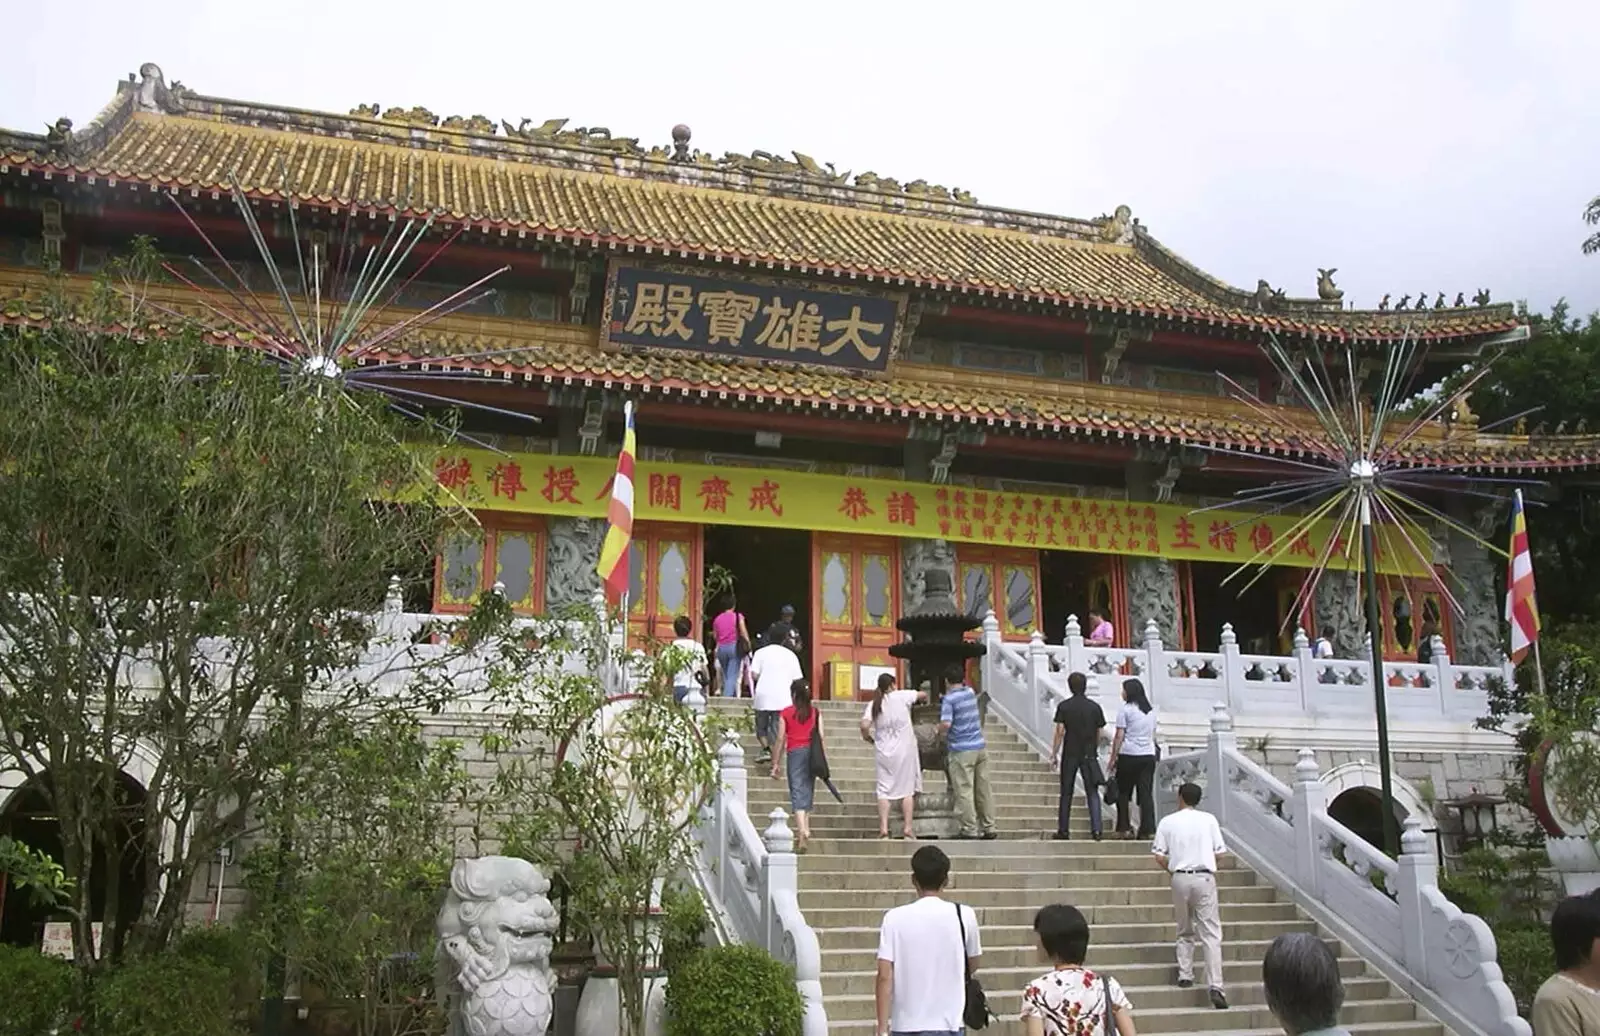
[770, 568]
[1361, 810]
[1208, 602]
[1074, 583]
[663, 578]
[29, 819]
[857, 602]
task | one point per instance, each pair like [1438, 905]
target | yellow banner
[581, 486]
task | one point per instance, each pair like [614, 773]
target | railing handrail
[752, 877]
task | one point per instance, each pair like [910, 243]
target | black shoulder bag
[1105, 984]
[976, 1014]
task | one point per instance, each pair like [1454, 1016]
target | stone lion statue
[495, 937]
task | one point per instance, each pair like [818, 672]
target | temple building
[840, 380]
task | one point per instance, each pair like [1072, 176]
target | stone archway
[1355, 793]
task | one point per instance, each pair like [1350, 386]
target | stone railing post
[1076, 663]
[1219, 743]
[1417, 871]
[1444, 677]
[732, 794]
[991, 654]
[1232, 673]
[1155, 666]
[696, 701]
[1310, 802]
[1305, 669]
[781, 874]
[1038, 683]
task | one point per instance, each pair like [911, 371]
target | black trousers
[1070, 770]
[1137, 773]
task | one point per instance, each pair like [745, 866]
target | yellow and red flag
[1522, 611]
[613, 566]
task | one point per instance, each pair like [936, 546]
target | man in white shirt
[775, 668]
[926, 950]
[1324, 645]
[1186, 845]
[692, 654]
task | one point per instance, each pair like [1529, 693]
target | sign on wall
[581, 487]
[667, 307]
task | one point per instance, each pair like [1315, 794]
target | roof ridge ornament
[1327, 291]
[1119, 227]
[152, 94]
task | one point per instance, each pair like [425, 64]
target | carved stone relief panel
[1477, 628]
[1152, 594]
[1339, 606]
[570, 561]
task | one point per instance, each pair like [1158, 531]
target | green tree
[189, 546]
[1556, 375]
[1591, 216]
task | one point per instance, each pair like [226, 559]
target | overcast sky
[1416, 146]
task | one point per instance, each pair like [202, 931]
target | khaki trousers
[969, 784]
[1194, 900]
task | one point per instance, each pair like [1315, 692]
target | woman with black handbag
[1071, 1000]
[1133, 761]
[801, 724]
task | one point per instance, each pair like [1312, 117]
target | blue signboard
[757, 318]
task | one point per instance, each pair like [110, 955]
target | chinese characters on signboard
[756, 318]
[581, 486]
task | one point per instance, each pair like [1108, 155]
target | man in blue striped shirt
[969, 768]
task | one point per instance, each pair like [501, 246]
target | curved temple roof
[587, 187]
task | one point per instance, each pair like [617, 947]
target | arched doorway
[28, 818]
[1361, 810]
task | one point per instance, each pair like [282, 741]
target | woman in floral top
[1070, 1000]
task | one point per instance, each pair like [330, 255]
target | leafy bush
[683, 927]
[1526, 960]
[168, 994]
[733, 991]
[37, 990]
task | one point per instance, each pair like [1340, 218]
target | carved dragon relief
[571, 555]
[1153, 594]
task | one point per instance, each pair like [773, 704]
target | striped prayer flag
[1522, 611]
[613, 566]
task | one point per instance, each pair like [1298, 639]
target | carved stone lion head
[500, 903]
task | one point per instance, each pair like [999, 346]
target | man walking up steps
[1186, 846]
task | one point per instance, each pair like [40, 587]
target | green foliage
[733, 991]
[1526, 959]
[684, 923]
[34, 872]
[166, 994]
[159, 492]
[37, 991]
[351, 904]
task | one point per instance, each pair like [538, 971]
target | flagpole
[1538, 669]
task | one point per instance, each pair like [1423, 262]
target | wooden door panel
[857, 601]
[664, 577]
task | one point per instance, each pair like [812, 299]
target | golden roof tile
[580, 186]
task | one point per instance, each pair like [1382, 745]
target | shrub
[168, 994]
[37, 991]
[1526, 959]
[683, 927]
[733, 991]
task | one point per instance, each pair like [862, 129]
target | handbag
[976, 1013]
[1111, 794]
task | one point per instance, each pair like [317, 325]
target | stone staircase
[850, 877]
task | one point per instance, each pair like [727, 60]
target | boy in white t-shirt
[926, 950]
[693, 674]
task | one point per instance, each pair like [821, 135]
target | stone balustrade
[1024, 682]
[1391, 911]
[751, 880]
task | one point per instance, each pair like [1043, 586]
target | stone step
[981, 898]
[1065, 882]
[846, 930]
[864, 788]
[1030, 843]
[1008, 1025]
[1162, 992]
[1197, 1017]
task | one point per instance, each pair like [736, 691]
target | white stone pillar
[1417, 871]
[1040, 701]
[1310, 802]
[732, 794]
[1444, 677]
[991, 656]
[1232, 669]
[1155, 666]
[1305, 669]
[781, 874]
[1076, 662]
[1219, 743]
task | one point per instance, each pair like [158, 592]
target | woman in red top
[800, 723]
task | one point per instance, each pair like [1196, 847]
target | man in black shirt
[1080, 724]
[778, 632]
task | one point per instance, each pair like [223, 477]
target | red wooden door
[664, 579]
[1004, 580]
[856, 601]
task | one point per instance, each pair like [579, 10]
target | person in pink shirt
[730, 632]
[1100, 631]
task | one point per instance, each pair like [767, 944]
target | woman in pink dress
[887, 724]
